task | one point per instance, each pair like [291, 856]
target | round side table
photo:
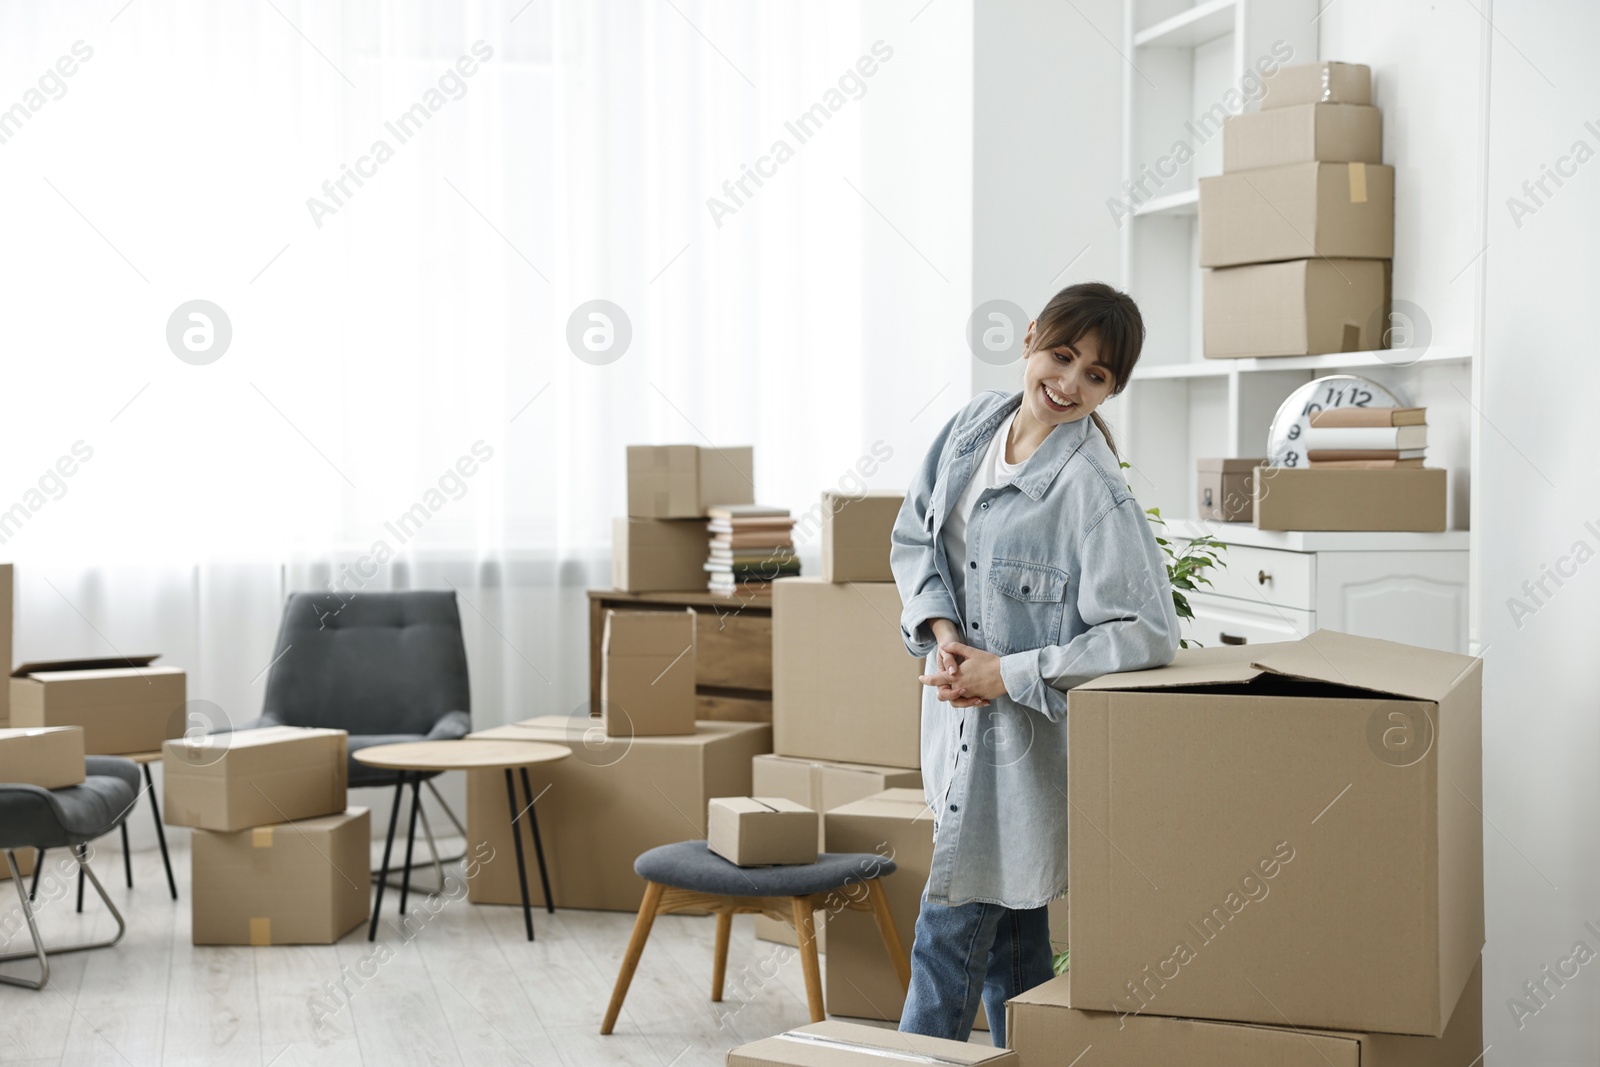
[413, 759]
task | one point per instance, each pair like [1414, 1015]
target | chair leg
[719, 966]
[886, 930]
[161, 835]
[38, 868]
[806, 934]
[38, 945]
[630, 962]
[127, 855]
[78, 855]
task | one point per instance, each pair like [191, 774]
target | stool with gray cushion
[31, 817]
[688, 876]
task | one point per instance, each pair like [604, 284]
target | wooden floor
[468, 988]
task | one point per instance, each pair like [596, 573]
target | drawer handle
[1262, 577]
[1232, 639]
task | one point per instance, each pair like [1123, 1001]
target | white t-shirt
[991, 472]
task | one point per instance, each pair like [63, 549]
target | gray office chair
[31, 817]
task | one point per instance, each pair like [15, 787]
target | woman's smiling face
[1065, 384]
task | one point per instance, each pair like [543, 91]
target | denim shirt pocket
[1026, 604]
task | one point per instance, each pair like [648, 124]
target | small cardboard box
[1284, 814]
[761, 831]
[647, 666]
[841, 1044]
[612, 799]
[658, 555]
[1301, 307]
[682, 481]
[1317, 83]
[296, 883]
[1303, 498]
[49, 757]
[254, 778]
[1042, 1029]
[6, 582]
[1300, 211]
[1226, 489]
[1305, 133]
[867, 700]
[123, 704]
[855, 535]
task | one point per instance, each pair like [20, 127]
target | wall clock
[1334, 391]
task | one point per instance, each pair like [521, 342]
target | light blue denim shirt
[1065, 582]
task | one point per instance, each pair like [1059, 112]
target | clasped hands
[967, 677]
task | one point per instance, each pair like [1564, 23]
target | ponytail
[1105, 431]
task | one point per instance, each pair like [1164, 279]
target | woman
[1026, 567]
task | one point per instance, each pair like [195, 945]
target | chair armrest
[452, 726]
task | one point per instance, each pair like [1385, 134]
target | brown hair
[1094, 307]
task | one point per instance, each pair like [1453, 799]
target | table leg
[538, 844]
[383, 876]
[522, 868]
[161, 835]
[411, 840]
[127, 855]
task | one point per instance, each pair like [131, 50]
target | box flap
[1366, 663]
[782, 805]
[1219, 665]
[647, 633]
[874, 1044]
[92, 663]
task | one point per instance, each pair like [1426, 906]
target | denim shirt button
[952, 807]
[973, 564]
[975, 626]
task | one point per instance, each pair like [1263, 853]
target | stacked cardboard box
[277, 859]
[647, 672]
[661, 545]
[124, 704]
[1297, 848]
[1300, 224]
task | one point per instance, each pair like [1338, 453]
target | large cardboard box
[49, 757]
[841, 1044]
[295, 883]
[647, 669]
[855, 535]
[761, 831]
[1300, 818]
[1305, 133]
[682, 481]
[6, 593]
[1317, 83]
[1044, 1030]
[254, 778]
[1300, 211]
[1305, 498]
[842, 684]
[123, 704]
[658, 555]
[1301, 307]
[601, 807]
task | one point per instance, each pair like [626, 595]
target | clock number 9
[1294, 432]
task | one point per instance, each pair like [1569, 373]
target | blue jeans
[964, 954]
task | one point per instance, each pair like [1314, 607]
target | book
[759, 569]
[745, 511]
[1370, 417]
[748, 525]
[1362, 455]
[1364, 437]
[1363, 464]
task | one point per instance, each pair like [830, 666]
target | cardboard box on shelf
[658, 555]
[49, 757]
[1299, 211]
[1301, 307]
[841, 1044]
[1304, 133]
[254, 778]
[761, 831]
[123, 704]
[681, 481]
[1317, 83]
[1305, 808]
[1226, 489]
[296, 883]
[1043, 1029]
[1302, 498]
[868, 701]
[600, 808]
[855, 535]
[647, 669]
[6, 588]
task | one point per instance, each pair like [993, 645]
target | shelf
[1242, 533]
[1184, 203]
[1201, 23]
[1221, 368]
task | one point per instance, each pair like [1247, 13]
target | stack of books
[1367, 437]
[750, 544]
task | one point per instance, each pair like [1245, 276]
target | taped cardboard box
[761, 831]
[856, 532]
[1317, 83]
[1286, 813]
[1302, 498]
[867, 700]
[600, 808]
[124, 704]
[254, 778]
[295, 883]
[647, 673]
[658, 555]
[6, 592]
[841, 1044]
[1044, 1030]
[1300, 307]
[681, 481]
[49, 757]
[1304, 133]
[1300, 211]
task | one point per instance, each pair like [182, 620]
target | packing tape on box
[898, 1055]
[261, 837]
[260, 931]
[1358, 183]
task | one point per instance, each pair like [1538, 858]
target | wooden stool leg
[806, 933]
[719, 967]
[886, 929]
[630, 962]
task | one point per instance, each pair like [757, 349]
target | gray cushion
[31, 817]
[691, 865]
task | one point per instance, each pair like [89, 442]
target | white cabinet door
[1419, 598]
[1221, 620]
